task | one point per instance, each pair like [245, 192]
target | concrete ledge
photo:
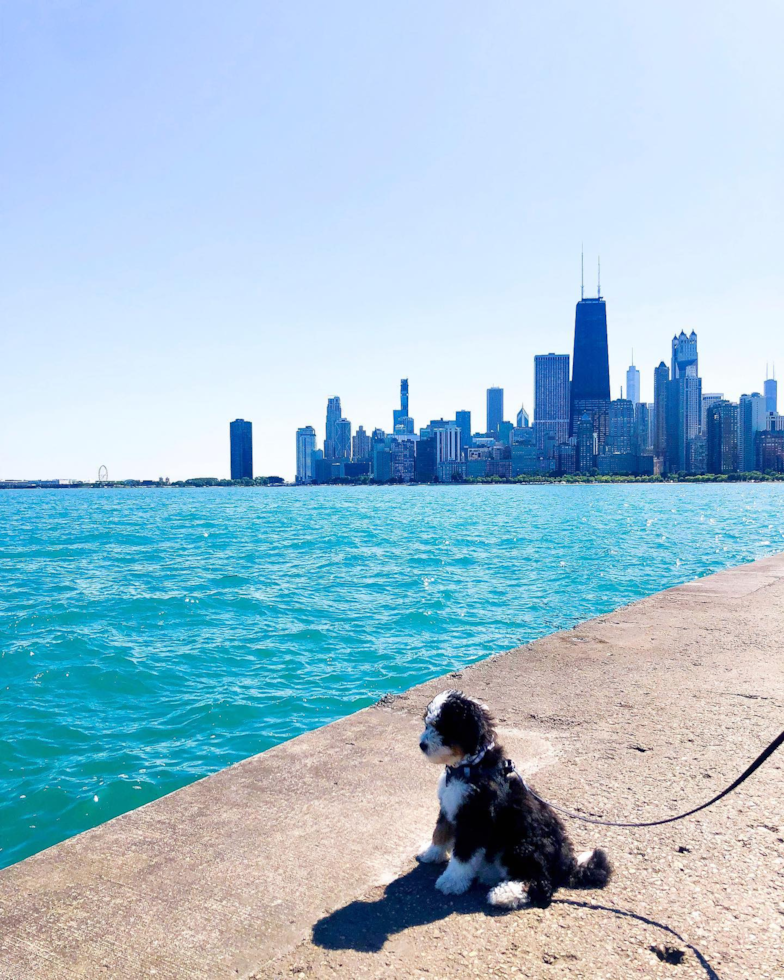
[299, 861]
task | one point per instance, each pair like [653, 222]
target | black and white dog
[494, 828]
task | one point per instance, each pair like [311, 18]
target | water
[151, 637]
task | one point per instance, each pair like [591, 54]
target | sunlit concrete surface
[299, 861]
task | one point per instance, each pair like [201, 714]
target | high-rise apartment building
[306, 447]
[586, 439]
[403, 460]
[621, 436]
[590, 391]
[643, 429]
[770, 450]
[334, 414]
[752, 418]
[771, 390]
[722, 437]
[551, 399]
[633, 385]
[495, 409]
[342, 439]
[241, 449]
[360, 444]
[661, 380]
[707, 400]
[448, 451]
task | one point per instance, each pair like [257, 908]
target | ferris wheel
[103, 474]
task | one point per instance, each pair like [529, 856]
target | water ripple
[148, 638]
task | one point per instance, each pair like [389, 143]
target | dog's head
[456, 727]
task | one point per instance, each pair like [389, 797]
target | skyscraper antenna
[599, 278]
[582, 272]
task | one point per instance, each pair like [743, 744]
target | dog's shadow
[411, 900]
[408, 901]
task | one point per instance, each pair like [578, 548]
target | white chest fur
[453, 796]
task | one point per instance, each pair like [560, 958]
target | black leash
[775, 744]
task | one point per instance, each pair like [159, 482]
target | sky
[239, 209]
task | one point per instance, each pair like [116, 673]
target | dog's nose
[423, 745]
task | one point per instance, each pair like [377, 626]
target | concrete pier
[299, 861]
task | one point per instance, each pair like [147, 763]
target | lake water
[150, 637]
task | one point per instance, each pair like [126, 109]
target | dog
[494, 828]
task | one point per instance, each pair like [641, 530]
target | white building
[633, 385]
[306, 446]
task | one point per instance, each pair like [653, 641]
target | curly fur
[490, 822]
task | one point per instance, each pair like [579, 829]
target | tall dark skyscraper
[551, 399]
[591, 367]
[722, 437]
[495, 409]
[334, 414]
[661, 378]
[241, 440]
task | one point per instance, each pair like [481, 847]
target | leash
[509, 767]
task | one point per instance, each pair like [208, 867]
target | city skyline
[235, 215]
[578, 427]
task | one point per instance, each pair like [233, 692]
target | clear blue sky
[213, 210]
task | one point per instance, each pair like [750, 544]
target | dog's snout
[423, 744]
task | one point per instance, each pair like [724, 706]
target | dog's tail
[592, 869]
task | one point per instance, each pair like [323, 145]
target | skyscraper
[334, 413]
[771, 393]
[621, 436]
[633, 384]
[752, 418]
[403, 460]
[523, 420]
[360, 444]
[591, 367]
[722, 437]
[661, 379]
[684, 403]
[306, 446]
[241, 442]
[463, 421]
[643, 443]
[586, 437]
[495, 409]
[400, 416]
[707, 400]
[342, 439]
[551, 398]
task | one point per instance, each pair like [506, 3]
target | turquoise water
[150, 637]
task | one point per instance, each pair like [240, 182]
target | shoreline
[300, 860]
[704, 478]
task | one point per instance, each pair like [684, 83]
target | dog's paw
[453, 884]
[432, 854]
[509, 895]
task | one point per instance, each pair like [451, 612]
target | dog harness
[470, 768]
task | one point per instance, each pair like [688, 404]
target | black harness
[472, 772]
